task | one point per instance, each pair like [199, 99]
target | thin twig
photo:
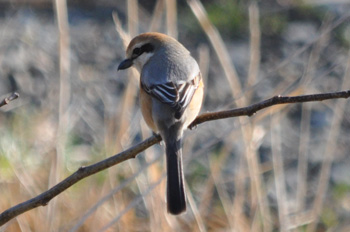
[7, 100]
[111, 193]
[255, 41]
[276, 100]
[197, 216]
[157, 16]
[219, 48]
[128, 98]
[171, 18]
[83, 172]
[328, 155]
[133, 203]
[304, 142]
[279, 176]
[57, 163]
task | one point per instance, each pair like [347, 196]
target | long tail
[176, 198]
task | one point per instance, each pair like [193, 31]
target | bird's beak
[127, 63]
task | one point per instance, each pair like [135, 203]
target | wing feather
[176, 96]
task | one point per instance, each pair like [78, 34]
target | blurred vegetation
[262, 173]
[230, 17]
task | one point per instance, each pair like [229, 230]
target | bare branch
[83, 172]
[276, 100]
[12, 97]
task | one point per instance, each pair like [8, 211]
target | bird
[171, 96]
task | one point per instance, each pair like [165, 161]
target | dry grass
[280, 170]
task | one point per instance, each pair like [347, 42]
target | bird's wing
[177, 96]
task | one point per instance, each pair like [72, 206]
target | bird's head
[143, 47]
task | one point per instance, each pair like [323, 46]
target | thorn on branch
[251, 113]
[45, 203]
[81, 169]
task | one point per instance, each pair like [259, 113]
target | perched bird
[171, 95]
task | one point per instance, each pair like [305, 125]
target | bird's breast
[146, 109]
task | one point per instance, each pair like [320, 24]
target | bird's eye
[136, 51]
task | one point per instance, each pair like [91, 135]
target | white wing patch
[176, 96]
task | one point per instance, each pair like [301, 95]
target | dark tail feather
[176, 198]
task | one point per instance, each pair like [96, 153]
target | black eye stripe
[144, 48]
[136, 51]
[147, 48]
